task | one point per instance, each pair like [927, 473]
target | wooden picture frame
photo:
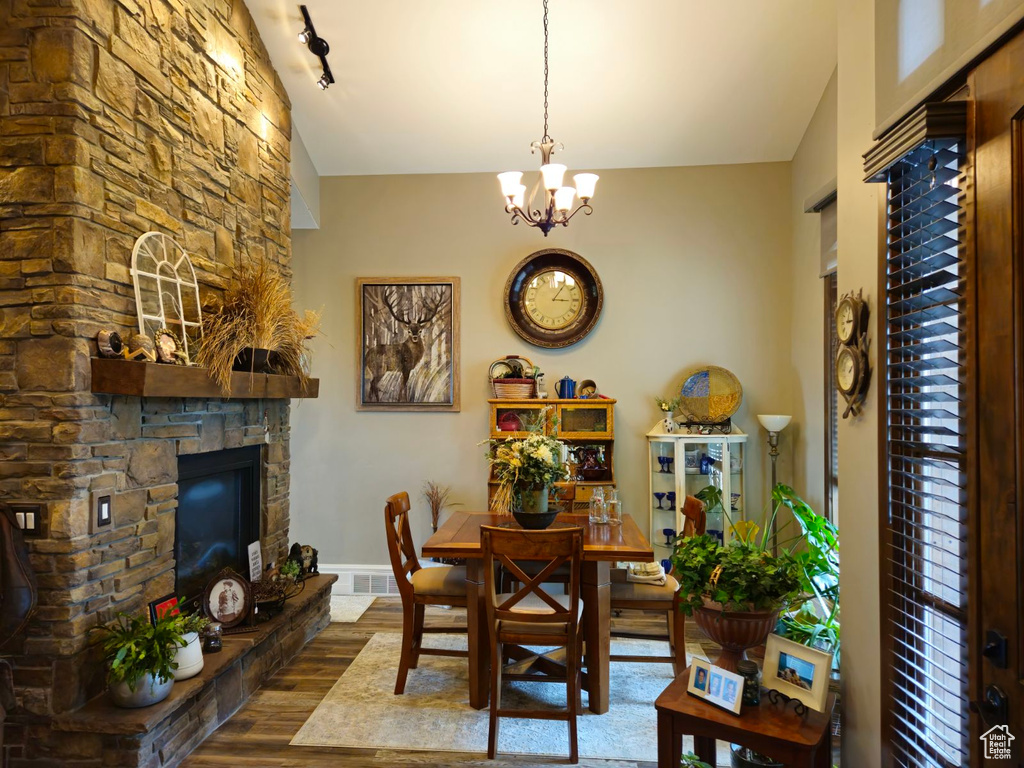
[227, 599]
[168, 604]
[409, 343]
[797, 671]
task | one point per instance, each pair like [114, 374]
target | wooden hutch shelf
[580, 423]
[126, 377]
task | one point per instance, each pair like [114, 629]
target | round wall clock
[848, 371]
[553, 298]
[850, 318]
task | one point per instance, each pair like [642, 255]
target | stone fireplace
[119, 117]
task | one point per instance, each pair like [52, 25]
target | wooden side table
[800, 741]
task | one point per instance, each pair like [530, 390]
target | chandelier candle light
[557, 201]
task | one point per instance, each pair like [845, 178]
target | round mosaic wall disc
[710, 394]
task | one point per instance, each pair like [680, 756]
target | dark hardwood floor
[259, 733]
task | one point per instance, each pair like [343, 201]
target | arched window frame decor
[172, 274]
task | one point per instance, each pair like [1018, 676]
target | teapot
[566, 388]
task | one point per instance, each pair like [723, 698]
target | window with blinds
[831, 281]
[924, 544]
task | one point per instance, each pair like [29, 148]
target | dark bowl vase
[740, 757]
[252, 360]
[735, 631]
[535, 521]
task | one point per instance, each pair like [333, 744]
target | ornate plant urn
[533, 513]
[735, 631]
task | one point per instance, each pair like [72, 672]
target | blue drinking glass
[671, 496]
[659, 497]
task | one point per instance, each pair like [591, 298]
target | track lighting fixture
[318, 47]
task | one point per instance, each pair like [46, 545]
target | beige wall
[694, 263]
[813, 168]
[858, 438]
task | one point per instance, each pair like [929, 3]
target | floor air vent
[374, 584]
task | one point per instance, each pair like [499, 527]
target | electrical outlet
[29, 517]
[101, 510]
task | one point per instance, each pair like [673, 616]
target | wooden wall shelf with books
[112, 376]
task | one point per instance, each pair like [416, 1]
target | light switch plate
[29, 516]
[101, 510]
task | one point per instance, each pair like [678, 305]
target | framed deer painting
[408, 343]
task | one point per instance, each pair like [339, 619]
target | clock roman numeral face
[553, 299]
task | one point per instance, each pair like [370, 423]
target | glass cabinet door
[663, 501]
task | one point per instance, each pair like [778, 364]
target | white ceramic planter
[189, 657]
[148, 691]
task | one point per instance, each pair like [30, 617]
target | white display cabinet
[680, 465]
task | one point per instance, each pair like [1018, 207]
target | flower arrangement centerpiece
[525, 470]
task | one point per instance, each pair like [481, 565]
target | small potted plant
[525, 470]
[668, 407]
[141, 658]
[690, 760]
[437, 497]
[188, 657]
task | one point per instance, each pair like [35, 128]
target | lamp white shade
[585, 184]
[774, 422]
[564, 197]
[509, 181]
[519, 196]
[553, 175]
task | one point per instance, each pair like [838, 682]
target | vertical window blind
[924, 544]
[831, 400]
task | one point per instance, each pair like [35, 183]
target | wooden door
[996, 152]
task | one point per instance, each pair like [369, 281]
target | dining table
[603, 545]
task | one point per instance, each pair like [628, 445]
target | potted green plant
[736, 592]
[525, 470]
[141, 658]
[690, 760]
[188, 657]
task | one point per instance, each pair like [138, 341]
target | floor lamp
[774, 424]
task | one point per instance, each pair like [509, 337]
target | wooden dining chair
[564, 495]
[530, 616]
[419, 587]
[629, 595]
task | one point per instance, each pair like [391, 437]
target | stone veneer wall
[118, 118]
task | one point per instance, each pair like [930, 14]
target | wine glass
[669, 535]
[661, 462]
[669, 461]
[659, 497]
[671, 496]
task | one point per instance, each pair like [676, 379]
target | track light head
[305, 36]
[323, 82]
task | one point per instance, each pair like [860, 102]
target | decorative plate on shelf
[710, 394]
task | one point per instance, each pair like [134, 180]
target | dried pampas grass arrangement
[256, 313]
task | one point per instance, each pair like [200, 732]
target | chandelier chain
[546, 137]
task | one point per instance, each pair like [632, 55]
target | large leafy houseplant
[815, 622]
[138, 651]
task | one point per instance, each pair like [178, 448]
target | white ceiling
[445, 86]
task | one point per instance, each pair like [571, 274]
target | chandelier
[556, 205]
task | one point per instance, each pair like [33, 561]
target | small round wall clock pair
[553, 298]
[852, 369]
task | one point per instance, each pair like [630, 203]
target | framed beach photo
[797, 671]
[408, 343]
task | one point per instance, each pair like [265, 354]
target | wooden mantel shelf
[125, 377]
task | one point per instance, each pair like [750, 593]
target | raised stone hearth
[119, 117]
[100, 734]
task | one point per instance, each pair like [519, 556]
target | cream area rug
[362, 711]
[348, 608]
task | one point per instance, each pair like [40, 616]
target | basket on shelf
[516, 387]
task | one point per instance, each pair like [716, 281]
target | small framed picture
[716, 685]
[165, 606]
[797, 671]
[227, 599]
